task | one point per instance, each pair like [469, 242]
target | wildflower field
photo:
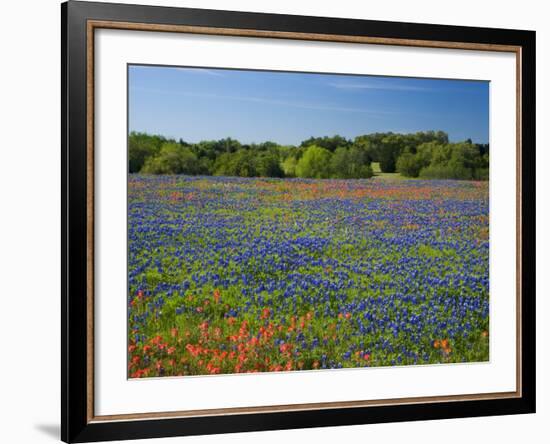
[233, 275]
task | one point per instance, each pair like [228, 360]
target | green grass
[378, 174]
[376, 167]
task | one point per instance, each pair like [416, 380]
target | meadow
[234, 275]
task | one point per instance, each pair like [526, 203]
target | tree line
[428, 155]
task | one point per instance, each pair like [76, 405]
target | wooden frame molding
[334, 38]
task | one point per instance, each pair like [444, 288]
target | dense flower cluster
[231, 275]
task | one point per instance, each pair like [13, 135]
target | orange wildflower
[217, 295]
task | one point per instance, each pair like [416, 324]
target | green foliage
[481, 174]
[386, 148]
[438, 160]
[452, 161]
[315, 163]
[408, 165]
[289, 166]
[248, 163]
[268, 164]
[427, 155]
[142, 146]
[172, 159]
[350, 163]
[390, 149]
[241, 163]
[329, 143]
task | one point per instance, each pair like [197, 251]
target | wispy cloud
[268, 101]
[383, 86]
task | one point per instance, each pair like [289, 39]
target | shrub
[241, 163]
[315, 163]
[172, 159]
[408, 165]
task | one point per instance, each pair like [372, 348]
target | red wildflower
[204, 326]
[140, 373]
[156, 340]
[285, 348]
[217, 295]
[193, 350]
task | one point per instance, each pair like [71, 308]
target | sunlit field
[234, 275]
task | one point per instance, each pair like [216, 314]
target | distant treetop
[427, 155]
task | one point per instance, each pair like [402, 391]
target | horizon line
[351, 139]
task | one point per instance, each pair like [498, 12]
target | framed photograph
[275, 221]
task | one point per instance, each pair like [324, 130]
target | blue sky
[255, 106]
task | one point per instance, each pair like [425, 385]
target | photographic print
[288, 221]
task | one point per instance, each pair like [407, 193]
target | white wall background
[30, 218]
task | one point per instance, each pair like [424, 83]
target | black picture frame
[76, 423]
